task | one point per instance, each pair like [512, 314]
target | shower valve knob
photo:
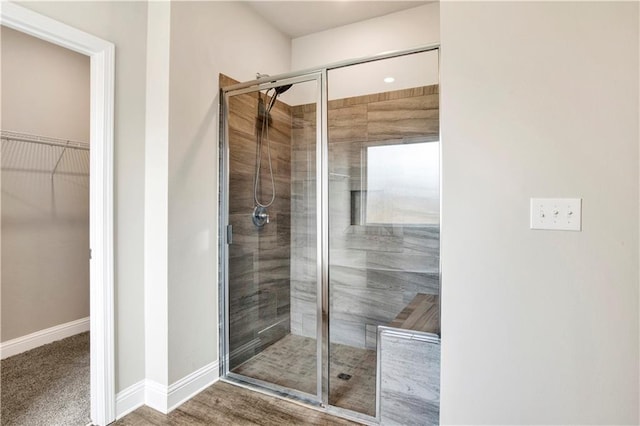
[260, 216]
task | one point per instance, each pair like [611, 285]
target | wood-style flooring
[226, 404]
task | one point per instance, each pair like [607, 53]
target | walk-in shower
[330, 213]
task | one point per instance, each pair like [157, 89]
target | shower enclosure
[330, 217]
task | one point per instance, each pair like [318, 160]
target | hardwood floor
[226, 404]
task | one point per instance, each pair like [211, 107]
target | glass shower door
[384, 212]
[331, 211]
[271, 295]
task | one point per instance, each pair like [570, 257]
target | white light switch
[560, 214]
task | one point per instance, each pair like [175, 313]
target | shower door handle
[229, 234]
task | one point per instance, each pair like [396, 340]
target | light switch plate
[558, 214]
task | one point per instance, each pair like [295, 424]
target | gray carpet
[48, 385]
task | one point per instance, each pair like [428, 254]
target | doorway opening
[101, 56]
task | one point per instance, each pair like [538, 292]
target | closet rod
[43, 140]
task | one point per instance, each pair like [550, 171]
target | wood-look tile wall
[375, 271]
[259, 258]
[303, 222]
[410, 381]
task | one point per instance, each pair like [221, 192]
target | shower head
[280, 90]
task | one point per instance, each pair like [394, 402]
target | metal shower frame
[319, 75]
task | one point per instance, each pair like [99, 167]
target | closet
[44, 232]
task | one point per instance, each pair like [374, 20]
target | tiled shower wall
[259, 258]
[375, 270]
[303, 221]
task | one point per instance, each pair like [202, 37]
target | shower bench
[422, 314]
[409, 364]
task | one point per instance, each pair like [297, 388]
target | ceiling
[299, 18]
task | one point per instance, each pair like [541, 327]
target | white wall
[45, 221]
[45, 88]
[156, 197]
[124, 24]
[409, 28]
[395, 31]
[539, 99]
[207, 38]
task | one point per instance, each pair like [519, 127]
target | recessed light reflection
[389, 79]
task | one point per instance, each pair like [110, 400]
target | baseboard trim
[43, 337]
[129, 399]
[155, 396]
[191, 385]
[167, 398]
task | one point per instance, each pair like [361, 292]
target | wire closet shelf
[43, 140]
[37, 140]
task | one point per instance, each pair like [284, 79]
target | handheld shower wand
[260, 215]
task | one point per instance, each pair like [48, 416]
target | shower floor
[291, 362]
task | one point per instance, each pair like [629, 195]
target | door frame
[102, 86]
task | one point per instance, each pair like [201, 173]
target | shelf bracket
[53, 172]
